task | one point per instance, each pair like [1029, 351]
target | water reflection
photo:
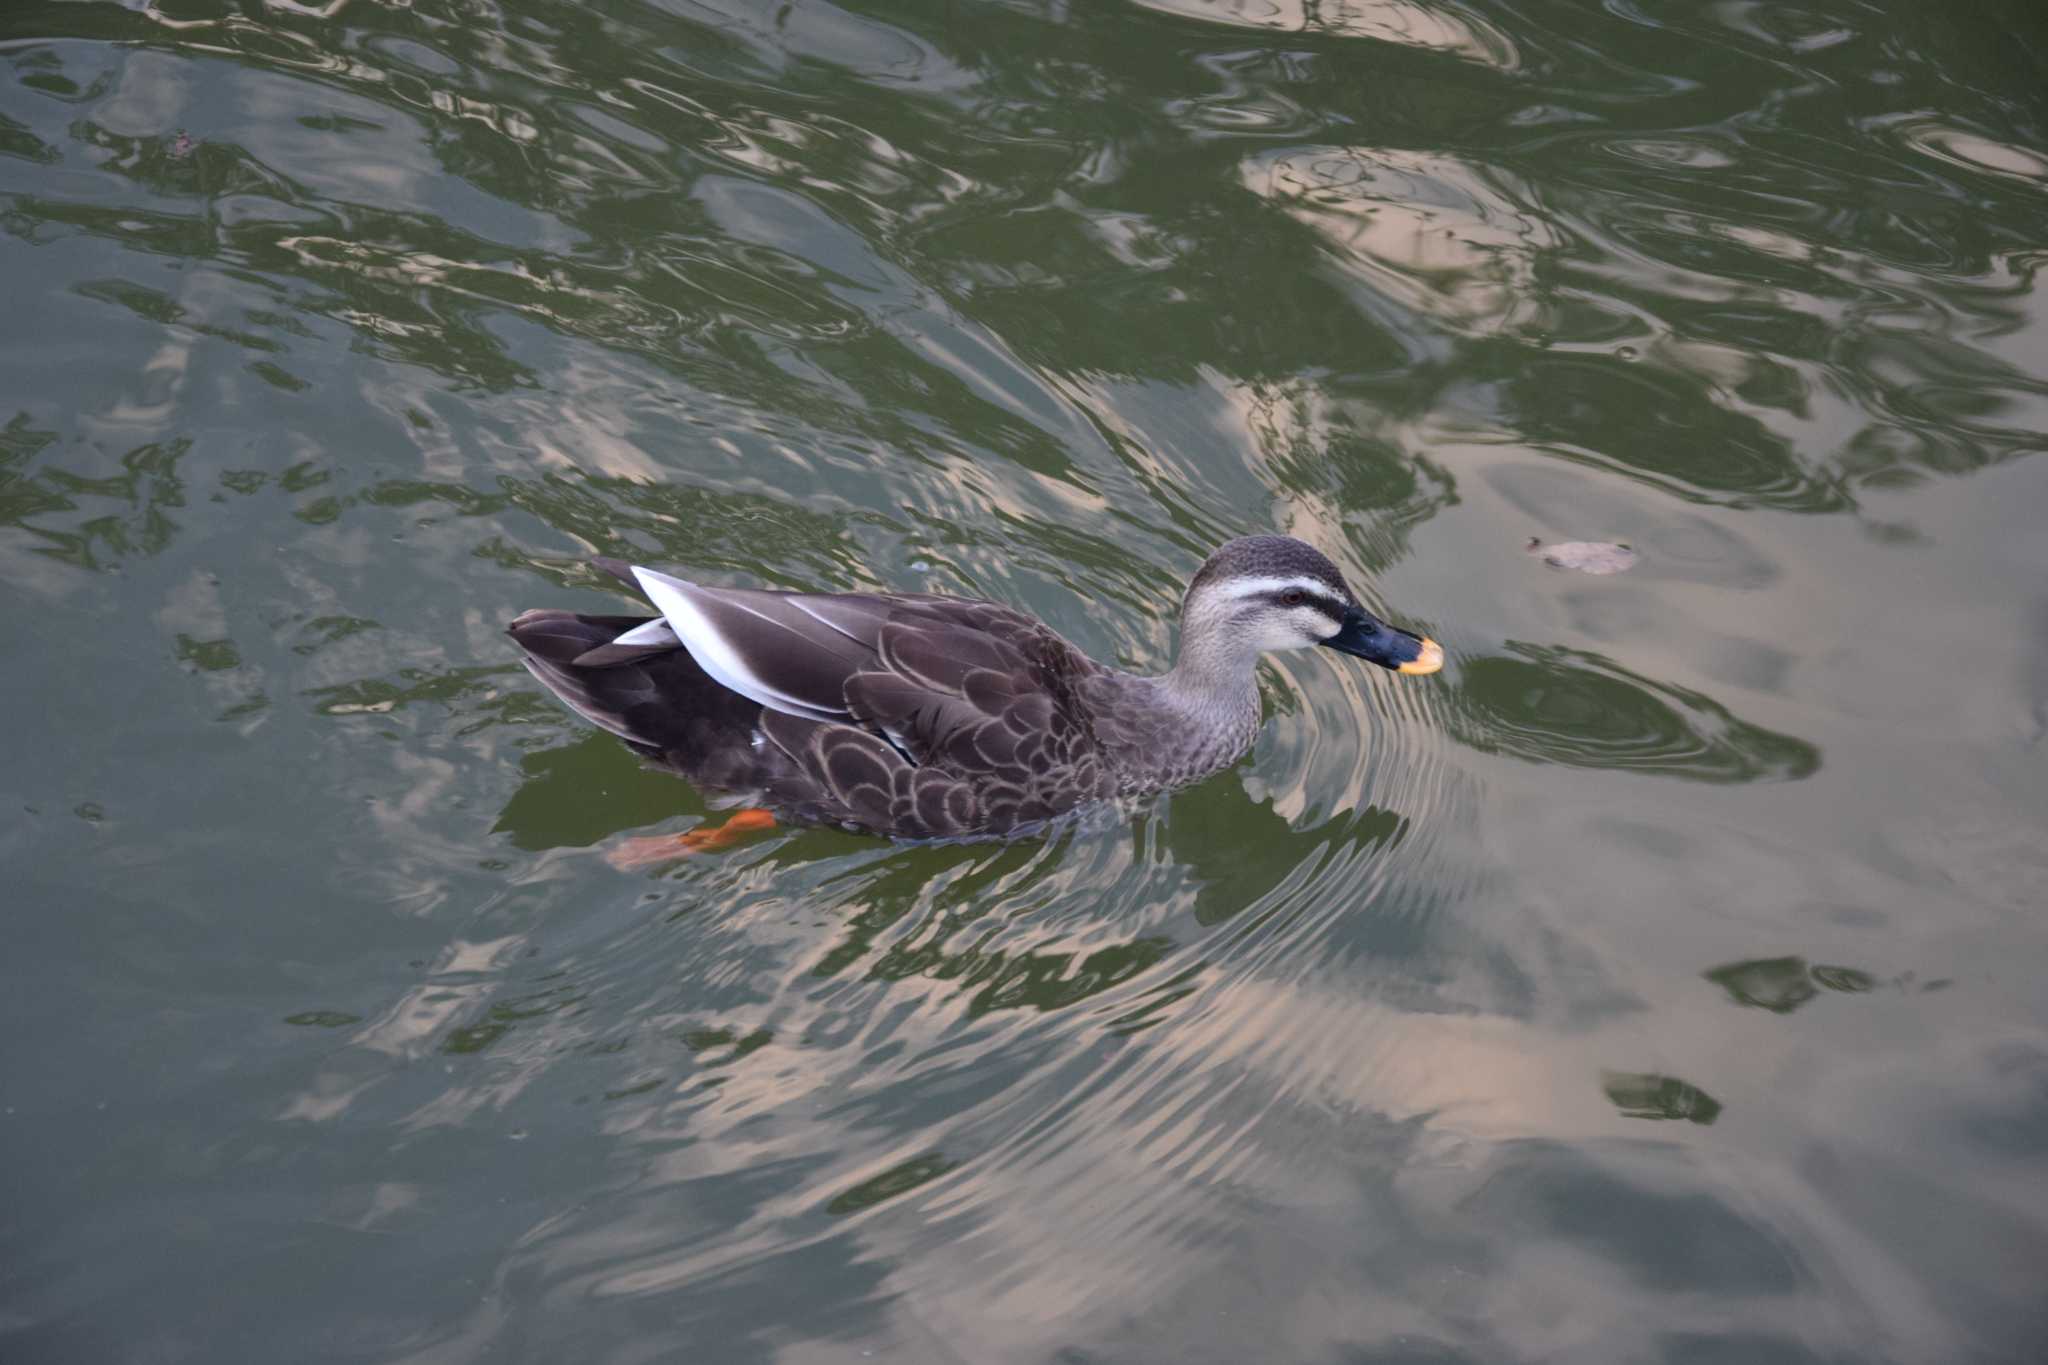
[898, 1179]
[1646, 1095]
[582, 793]
[1549, 704]
[1432, 27]
[343, 330]
[90, 514]
[1782, 984]
[1423, 232]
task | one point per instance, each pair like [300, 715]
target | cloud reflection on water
[1353, 1050]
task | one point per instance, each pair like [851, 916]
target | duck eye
[1294, 597]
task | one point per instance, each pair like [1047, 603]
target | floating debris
[1587, 556]
[1648, 1095]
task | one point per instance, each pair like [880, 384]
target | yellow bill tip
[1428, 661]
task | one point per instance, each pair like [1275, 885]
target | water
[1661, 981]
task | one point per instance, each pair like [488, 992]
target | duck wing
[908, 714]
[790, 652]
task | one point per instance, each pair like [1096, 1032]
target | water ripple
[348, 330]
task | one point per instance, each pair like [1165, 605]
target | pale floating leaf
[1586, 556]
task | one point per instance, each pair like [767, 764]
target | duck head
[1265, 593]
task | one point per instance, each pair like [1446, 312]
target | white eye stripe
[1238, 588]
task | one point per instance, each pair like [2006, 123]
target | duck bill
[1377, 642]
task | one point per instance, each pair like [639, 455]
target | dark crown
[1271, 557]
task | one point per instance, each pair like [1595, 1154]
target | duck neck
[1195, 718]
[1212, 678]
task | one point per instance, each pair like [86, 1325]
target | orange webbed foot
[651, 850]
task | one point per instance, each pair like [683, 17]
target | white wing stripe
[825, 620]
[712, 651]
[655, 632]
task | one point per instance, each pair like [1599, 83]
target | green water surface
[1665, 980]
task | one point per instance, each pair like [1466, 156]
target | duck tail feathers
[586, 662]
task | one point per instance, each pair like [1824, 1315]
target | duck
[923, 717]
